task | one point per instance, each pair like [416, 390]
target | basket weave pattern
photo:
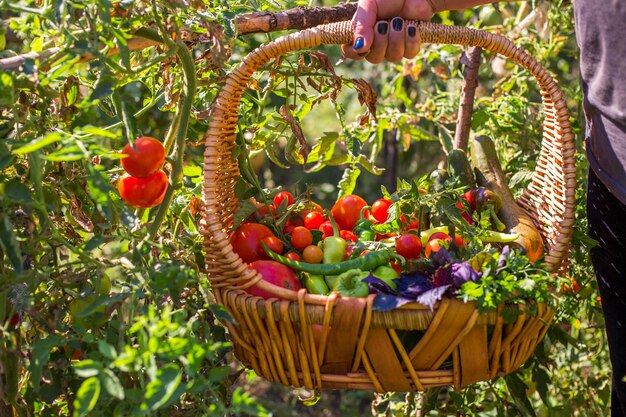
[322, 342]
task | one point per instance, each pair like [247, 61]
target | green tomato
[103, 285]
[387, 274]
[94, 318]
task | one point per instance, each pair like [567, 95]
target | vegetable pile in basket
[457, 232]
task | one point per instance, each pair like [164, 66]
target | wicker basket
[334, 342]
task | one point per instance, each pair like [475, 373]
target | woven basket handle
[549, 199]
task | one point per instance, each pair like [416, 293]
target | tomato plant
[143, 192]
[145, 158]
[347, 211]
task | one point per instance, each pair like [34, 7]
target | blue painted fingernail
[358, 44]
[412, 31]
[383, 27]
[396, 24]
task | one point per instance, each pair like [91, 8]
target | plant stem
[189, 89]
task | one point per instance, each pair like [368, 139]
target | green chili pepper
[487, 236]
[315, 284]
[350, 283]
[366, 262]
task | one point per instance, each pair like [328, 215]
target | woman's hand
[376, 39]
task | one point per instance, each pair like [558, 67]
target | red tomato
[246, 241]
[409, 246]
[440, 235]
[143, 192]
[309, 207]
[293, 256]
[275, 273]
[465, 214]
[301, 237]
[313, 254]
[264, 211]
[326, 228]
[347, 211]
[433, 246]
[293, 222]
[413, 222]
[313, 220]
[145, 159]
[274, 244]
[347, 235]
[283, 195]
[380, 209]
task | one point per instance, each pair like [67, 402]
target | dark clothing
[606, 215]
[601, 36]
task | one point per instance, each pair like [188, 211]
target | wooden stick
[259, 22]
[471, 59]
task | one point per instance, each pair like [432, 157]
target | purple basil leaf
[386, 302]
[410, 279]
[378, 286]
[430, 297]
[463, 272]
[441, 257]
[503, 254]
[443, 276]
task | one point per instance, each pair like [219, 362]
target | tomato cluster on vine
[145, 183]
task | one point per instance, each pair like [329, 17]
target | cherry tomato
[293, 256]
[283, 195]
[293, 222]
[301, 237]
[264, 211]
[409, 246]
[347, 211]
[274, 244]
[313, 254]
[380, 210]
[145, 159]
[309, 207]
[347, 235]
[412, 223]
[313, 220]
[143, 192]
[465, 214]
[326, 228]
[434, 246]
[440, 235]
[246, 241]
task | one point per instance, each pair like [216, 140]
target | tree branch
[471, 59]
[259, 22]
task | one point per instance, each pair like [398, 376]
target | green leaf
[87, 368]
[517, 388]
[15, 191]
[40, 354]
[8, 243]
[348, 181]
[87, 397]
[112, 384]
[107, 350]
[160, 391]
[39, 143]
[7, 91]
